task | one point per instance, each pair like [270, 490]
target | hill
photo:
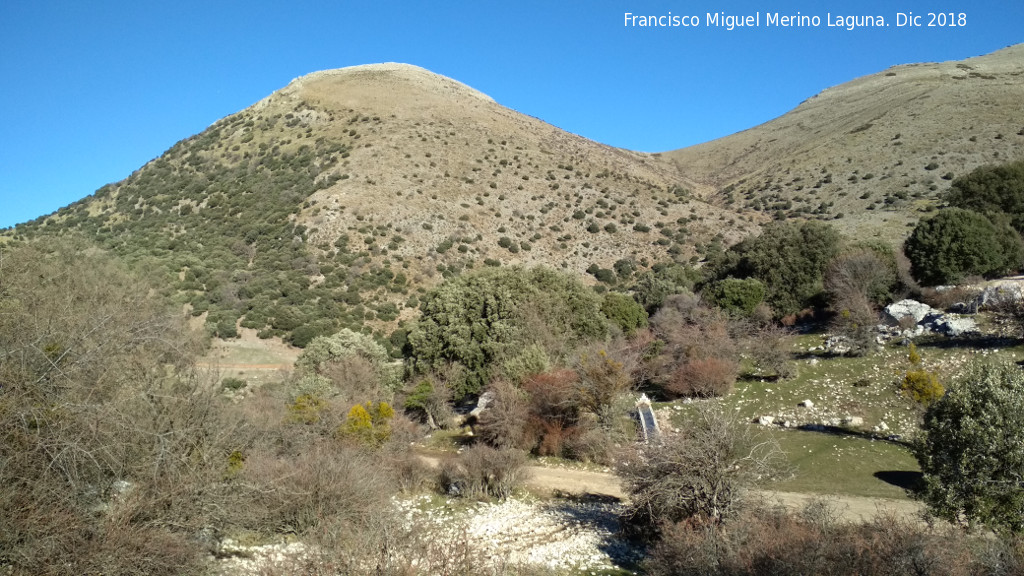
[872, 153]
[336, 200]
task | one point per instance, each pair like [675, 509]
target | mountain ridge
[339, 199]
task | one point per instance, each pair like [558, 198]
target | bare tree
[700, 473]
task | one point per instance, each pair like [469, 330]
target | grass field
[865, 460]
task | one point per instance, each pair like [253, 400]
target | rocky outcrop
[926, 319]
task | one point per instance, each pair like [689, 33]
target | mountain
[877, 150]
[340, 198]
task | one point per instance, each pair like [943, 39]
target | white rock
[807, 404]
[853, 421]
[766, 420]
[899, 310]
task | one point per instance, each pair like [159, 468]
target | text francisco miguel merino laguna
[776, 19]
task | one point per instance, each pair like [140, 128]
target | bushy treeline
[978, 234]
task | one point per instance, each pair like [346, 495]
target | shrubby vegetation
[736, 296]
[992, 190]
[699, 476]
[788, 258]
[117, 456]
[972, 451]
[957, 243]
[491, 316]
[220, 232]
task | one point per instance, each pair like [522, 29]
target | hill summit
[337, 200]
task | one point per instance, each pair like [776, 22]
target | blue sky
[93, 90]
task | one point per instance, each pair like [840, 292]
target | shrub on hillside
[624, 311]
[483, 472]
[700, 474]
[661, 281]
[956, 243]
[922, 387]
[736, 296]
[703, 378]
[780, 542]
[972, 450]
[354, 362]
[95, 368]
[789, 258]
[862, 273]
[493, 313]
[992, 189]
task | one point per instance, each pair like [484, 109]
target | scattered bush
[789, 258]
[704, 378]
[992, 189]
[766, 540]
[736, 296]
[699, 475]
[490, 314]
[922, 387]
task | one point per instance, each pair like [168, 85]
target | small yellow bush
[306, 409]
[913, 356]
[922, 387]
[368, 423]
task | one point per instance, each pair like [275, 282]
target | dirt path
[849, 508]
[243, 367]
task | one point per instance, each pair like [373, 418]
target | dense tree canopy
[993, 189]
[789, 258]
[957, 243]
[496, 314]
[972, 454]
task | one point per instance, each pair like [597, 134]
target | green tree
[323, 351]
[992, 189]
[972, 451]
[660, 282]
[789, 258]
[493, 314]
[624, 311]
[735, 295]
[957, 243]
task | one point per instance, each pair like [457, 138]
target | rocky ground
[561, 533]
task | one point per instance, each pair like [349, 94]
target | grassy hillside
[873, 153]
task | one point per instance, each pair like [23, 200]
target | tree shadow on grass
[907, 479]
[972, 341]
[840, 431]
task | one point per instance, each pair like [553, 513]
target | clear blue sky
[93, 90]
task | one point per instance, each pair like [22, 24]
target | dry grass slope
[878, 149]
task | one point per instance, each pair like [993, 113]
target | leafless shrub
[112, 450]
[504, 423]
[771, 347]
[774, 541]
[703, 378]
[700, 474]
[410, 472]
[605, 373]
[483, 472]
